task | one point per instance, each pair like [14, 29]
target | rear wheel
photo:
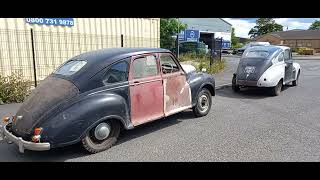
[295, 82]
[204, 102]
[235, 87]
[102, 136]
[277, 89]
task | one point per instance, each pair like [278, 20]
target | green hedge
[303, 51]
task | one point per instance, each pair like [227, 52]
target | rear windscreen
[256, 54]
[70, 67]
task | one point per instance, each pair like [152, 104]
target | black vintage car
[92, 96]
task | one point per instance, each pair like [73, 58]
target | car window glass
[280, 57]
[144, 67]
[256, 54]
[168, 65]
[116, 73]
[70, 67]
[286, 55]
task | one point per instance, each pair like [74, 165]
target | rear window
[256, 54]
[70, 67]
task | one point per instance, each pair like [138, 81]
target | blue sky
[243, 25]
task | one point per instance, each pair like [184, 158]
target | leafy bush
[305, 51]
[14, 88]
[217, 66]
[192, 56]
[294, 49]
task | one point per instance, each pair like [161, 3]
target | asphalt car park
[245, 126]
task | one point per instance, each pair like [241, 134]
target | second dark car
[92, 96]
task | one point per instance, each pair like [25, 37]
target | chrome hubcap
[102, 131]
[203, 103]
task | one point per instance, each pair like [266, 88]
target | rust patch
[177, 94]
[146, 100]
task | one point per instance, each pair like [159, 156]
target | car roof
[270, 48]
[111, 54]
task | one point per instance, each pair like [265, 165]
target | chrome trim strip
[108, 89]
[143, 82]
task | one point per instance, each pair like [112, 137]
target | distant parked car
[92, 96]
[266, 66]
[251, 44]
[193, 47]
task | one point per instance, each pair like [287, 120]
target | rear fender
[272, 76]
[297, 69]
[70, 125]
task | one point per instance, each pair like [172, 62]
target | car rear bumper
[247, 83]
[6, 135]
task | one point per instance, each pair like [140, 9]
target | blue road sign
[192, 35]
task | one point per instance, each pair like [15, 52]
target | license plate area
[249, 69]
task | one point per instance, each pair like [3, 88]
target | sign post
[220, 49]
[33, 59]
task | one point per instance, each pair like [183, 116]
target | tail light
[37, 131]
[6, 119]
[36, 135]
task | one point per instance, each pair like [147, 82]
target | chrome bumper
[247, 83]
[6, 135]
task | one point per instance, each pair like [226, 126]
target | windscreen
[256, 54]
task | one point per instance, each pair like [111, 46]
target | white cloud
[292, 24]
[242, 27]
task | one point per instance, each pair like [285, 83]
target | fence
[40, 52]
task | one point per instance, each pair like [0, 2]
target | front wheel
[204, 102]
[102, 136]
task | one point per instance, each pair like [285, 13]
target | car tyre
[295, 82]
[94, 145]
[277, 89]
[204, 102]
[235, 87]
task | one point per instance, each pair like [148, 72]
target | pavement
[246, 126]
[224, 77]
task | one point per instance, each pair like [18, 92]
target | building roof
[211, 25]
[225, 21]
[294, 34]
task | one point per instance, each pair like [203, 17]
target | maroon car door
[146, 89]
[177, 92]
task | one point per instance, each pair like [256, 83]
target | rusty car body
[94, 95]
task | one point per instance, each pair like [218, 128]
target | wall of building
[212, 25]
[293, 43]
[314, 43]
[55, 44]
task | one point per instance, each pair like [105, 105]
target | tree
[168, 28]
[315, 25]
[264, 26]
[234, 39]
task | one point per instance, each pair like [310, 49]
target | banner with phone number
[51, 21]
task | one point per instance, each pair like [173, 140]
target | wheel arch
[208, 86]
[121, 121]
